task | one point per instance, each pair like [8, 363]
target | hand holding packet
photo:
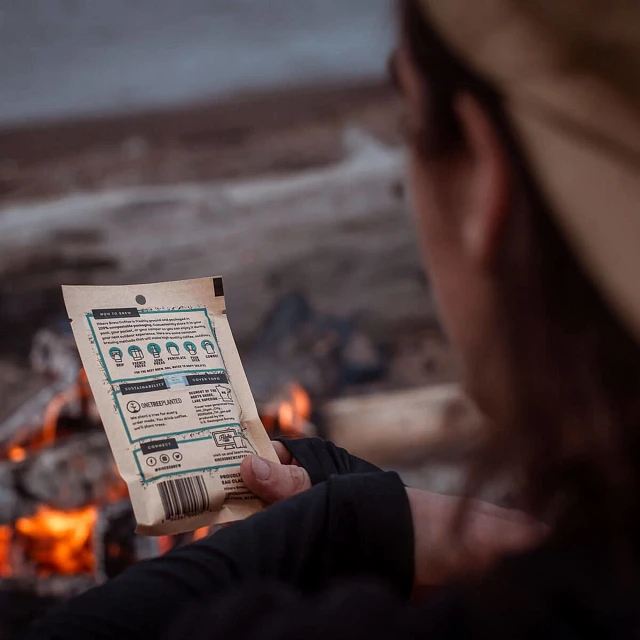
[174, 399]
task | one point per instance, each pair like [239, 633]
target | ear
[488, 203]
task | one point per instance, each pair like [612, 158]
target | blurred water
[66, 57]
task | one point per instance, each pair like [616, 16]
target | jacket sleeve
[356, 526]
[322, 458]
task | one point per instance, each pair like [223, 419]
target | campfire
[62, 471]
[60, 534]
[53, 541]
[66, 521]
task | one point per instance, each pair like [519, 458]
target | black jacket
[337, 562]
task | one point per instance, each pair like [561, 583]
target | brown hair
[574, 437]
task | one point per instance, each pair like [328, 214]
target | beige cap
[569, 71]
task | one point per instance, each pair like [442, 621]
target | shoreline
[251, 134]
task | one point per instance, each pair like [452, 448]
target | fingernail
[261, 468]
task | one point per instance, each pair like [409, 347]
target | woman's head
[543, 354]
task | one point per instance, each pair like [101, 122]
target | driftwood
[403, 427]
[340, 233]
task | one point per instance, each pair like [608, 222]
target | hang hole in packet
[173, 397]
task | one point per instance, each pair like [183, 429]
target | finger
[271, 481]
[284, 455]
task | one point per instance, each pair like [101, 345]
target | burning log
[27, 419]
[301, 357]
[77, 472]
[34, 424]
[402, 427]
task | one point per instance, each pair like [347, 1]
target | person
[523, 123]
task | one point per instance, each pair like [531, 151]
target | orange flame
[294, 413]
[60, 541]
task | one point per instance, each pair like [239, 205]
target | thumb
[271, 481]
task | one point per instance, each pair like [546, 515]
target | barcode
[183, 497]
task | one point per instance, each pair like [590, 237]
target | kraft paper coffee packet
[174, 399]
